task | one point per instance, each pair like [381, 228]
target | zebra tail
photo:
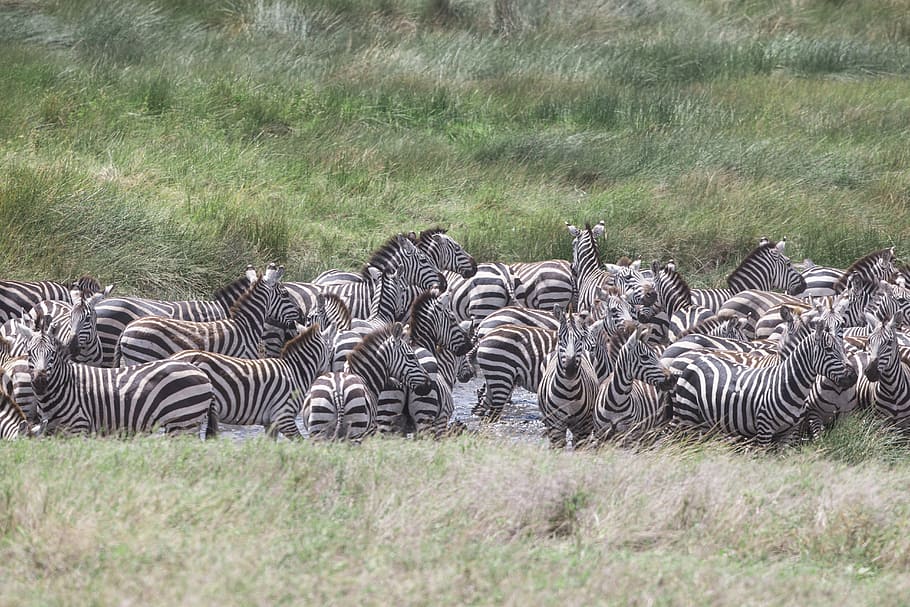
[339, 422]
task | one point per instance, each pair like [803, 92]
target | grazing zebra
[506, 357]
[766, 268]
[76, 326]
[568, 386]
[445, 252]
[890, 392]
[399, 255]
[269, 391]
[342, 405]
[240, 335]
[115, 313]
[544, 284]
[492, 287]
[18, 296]
[440, 344]
[590, 279]
[764, 404]
[627, 401]
[82, 399]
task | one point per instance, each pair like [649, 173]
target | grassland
[164, 145]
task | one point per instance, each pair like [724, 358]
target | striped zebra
[240, 335]
[544, 284]
[765, 268]
[590, 279]
[266, 392]
[492, 287]
[890, 390]
[507, 357]
[517, 315]
[328, 311]
[400, 255]
[17, 297]
[671, 294]
[444, 251]
[78, 398]
[13, 422]
[765, 403]
[343, 404]
[115, 313]
[440, 343]
[568, 386]
[76, 326]
[628, 402]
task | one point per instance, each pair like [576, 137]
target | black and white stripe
[343, 404]
[82, 399]
[890, 390]
[590, 279]
[492, 287]
[267, 392]
[544, 284]
[445, 252]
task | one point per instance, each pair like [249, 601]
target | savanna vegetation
[164, 145]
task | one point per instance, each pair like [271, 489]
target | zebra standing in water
[269, 391]
[240, 335]
[628, 402]
[83, 399]
[342, 405]
[568, 386]
[115, 313]
[766, 268]
[765, 403]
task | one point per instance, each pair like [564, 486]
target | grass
[164, 145]
[464, 521]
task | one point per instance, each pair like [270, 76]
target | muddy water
[520, 419]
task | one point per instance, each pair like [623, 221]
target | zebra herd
[613, 351]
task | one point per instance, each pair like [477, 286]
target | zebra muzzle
[849, 378]
[871, 370]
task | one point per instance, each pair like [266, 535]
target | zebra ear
[573, 231]
[780, 245]
[786, 314]
[872, 320]
[75, 296]
[251, 274]
[763, 241]
[599, 229]
[655, 267]
[671, 266]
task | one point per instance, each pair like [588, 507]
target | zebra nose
[798, 287]
[39, 382]
[471, 271]
[463, 349]
[871, 370]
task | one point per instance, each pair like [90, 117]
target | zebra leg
[556, 432]
[582, 434]
[287, 425]
[211, 426]
[496, 396]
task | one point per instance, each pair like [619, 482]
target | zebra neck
[894, 378]
[622, 379]
[250, 312]
[796, 369]
[586, 262]
[65, 397]
[370, 367]
[751, 275]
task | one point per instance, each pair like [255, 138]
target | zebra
[506, 357]
[13, 422]
[590, 279]
[399, 254]
[78, 398]
[671, 295]
[627, 402]
[544, 284]
[328, 311]
[517, 315]
[76, 322]
[342, 404]
[115, 313]
[154, 338]
[890, 391]
[568, 385]
[269, 391]
[765, 268]
[444, 251]
[762, 404]
[440, 343]
[492, 287]
[18, 296]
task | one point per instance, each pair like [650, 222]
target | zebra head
[45, 353]
[402, 362]
[881, 346]
[828, 356]
[415, 267]
[766, 267]
[614, 310]
[282, 310]
[638, 359]
[892, 300]
[434, 324]
[83, 321]
[585, 254]
[445, 252]
[571, 338]
[330, 310]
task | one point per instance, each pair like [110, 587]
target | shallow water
[520, 420]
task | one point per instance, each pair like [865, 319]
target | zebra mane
[618, 339]
[424, 299]
[232, 313]
[754, 255]
[863, 267]
[305, 335]
[88, 285]
[426, 236]
[344, 313]
[226, 293]
[381, 256]
[371, 340]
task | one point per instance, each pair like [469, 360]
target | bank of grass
[309, 132]
[463, 521]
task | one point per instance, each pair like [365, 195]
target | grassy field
[163, 145]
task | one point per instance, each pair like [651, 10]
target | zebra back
[544, 284]
[16, 297]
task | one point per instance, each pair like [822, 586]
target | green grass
[465, 521]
